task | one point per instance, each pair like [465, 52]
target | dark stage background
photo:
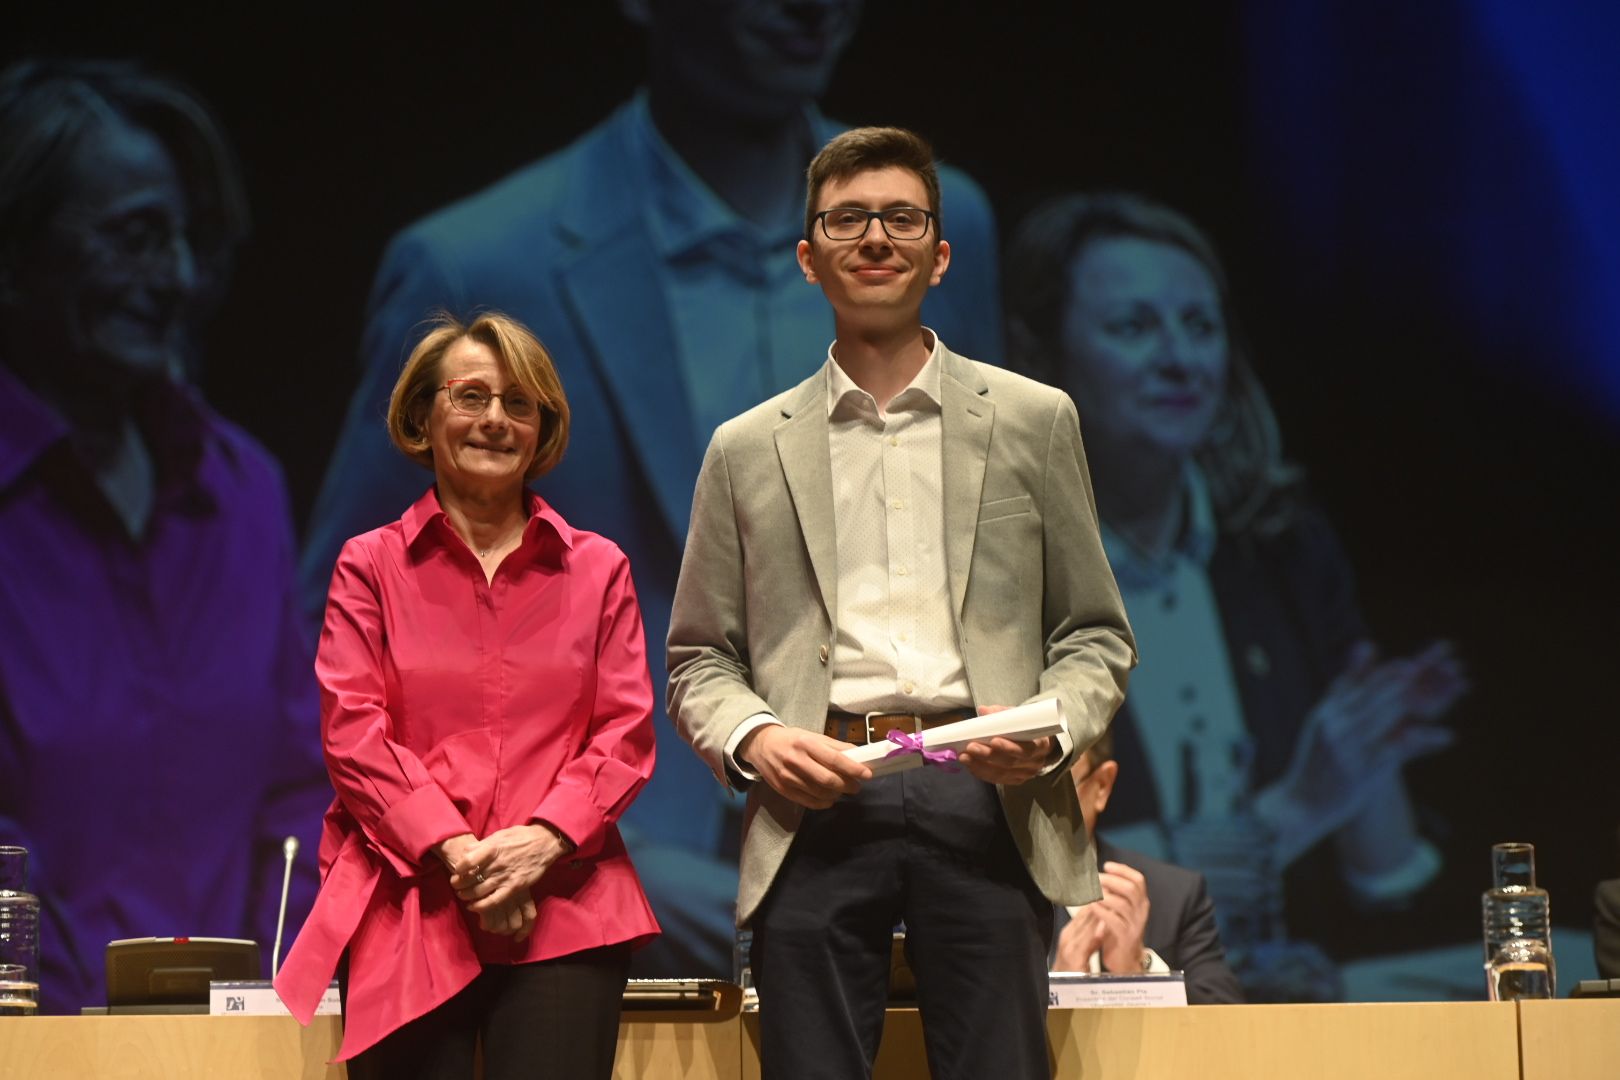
[1414, 203]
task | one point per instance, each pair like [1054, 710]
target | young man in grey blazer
[903, 539]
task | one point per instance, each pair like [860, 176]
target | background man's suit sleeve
[1606, 928]
[1198, 952]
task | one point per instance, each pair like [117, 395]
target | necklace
[486, 552]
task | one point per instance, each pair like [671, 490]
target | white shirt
[710, 258]
[895, 648]
[1184, 695]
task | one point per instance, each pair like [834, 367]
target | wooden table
[142, 1047]
[1428, 1041]
[1570, 1040]
[664, 1047]
[276, 1048]
[1535, 1040]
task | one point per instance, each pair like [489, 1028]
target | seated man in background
[1124, 932]
[1606, 928]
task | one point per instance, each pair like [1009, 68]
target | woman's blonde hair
[516, 347]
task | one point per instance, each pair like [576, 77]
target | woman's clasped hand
[495, 877]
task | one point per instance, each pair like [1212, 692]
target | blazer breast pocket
[1008, 545]
[996, 509]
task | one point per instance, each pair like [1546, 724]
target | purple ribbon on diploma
[905, 743]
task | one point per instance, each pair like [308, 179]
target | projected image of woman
[1262, 719]
[157, 718]
[486, 716]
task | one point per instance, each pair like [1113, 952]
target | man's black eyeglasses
[851, 222]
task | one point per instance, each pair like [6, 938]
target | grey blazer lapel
[801, 445]
[968, 416]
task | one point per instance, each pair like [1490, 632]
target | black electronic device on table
[171, 974]
[1596, 988]
[693, 999]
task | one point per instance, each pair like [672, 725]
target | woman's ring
[478, 874]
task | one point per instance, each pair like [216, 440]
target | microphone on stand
[289, 848]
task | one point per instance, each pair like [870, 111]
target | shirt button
[910, 688]
[900, 570]
[898, 504]
[894, 440]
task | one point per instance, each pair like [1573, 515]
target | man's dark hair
[864, 149]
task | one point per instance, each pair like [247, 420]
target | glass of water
[19, 995]
[1522, 968]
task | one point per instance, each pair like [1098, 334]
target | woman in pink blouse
[486, 719]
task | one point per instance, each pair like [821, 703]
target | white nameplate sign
[256, 997]
[1083, 990]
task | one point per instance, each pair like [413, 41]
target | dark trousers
[932, 849]
[553, 1018]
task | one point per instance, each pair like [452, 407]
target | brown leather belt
[875, 727]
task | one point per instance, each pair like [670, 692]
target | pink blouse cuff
[572, 813]
[414, 824]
